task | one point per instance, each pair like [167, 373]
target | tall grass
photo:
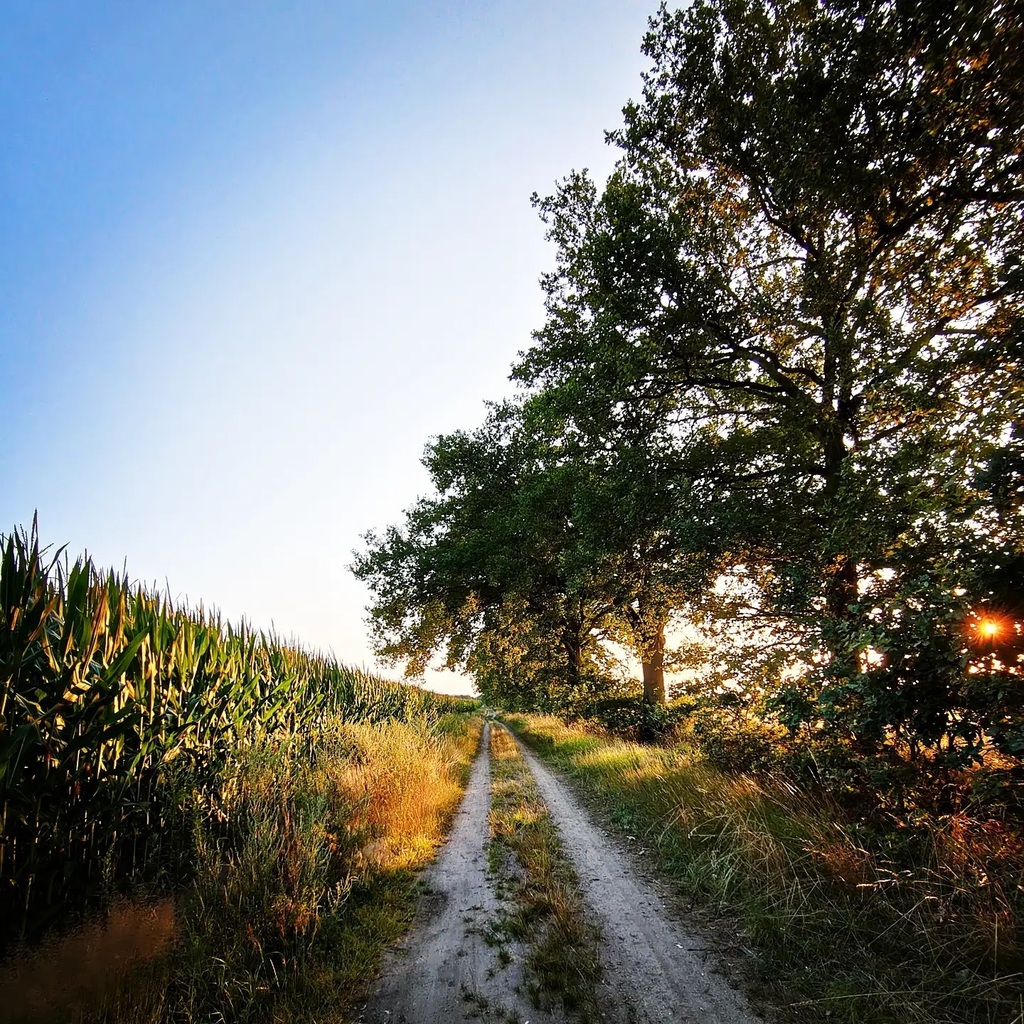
[300, 879]
[850, 923]
[117, 706]
[293, 903]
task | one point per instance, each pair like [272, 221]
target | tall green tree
[478, 571]
[809, 264]
[627, 491]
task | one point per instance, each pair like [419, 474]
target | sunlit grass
[850, 924]
[278, 797]
[115, 704]
[300, 882]
[401, 795]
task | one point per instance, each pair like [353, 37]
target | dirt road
[655, 969]
[445, 971]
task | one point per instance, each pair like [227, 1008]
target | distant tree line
[777, 395]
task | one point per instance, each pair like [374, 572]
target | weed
[302, 877]
[122, 715]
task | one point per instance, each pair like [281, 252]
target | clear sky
[254, 255]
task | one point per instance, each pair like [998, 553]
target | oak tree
[809, 264]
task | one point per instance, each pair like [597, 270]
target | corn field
[113, 701]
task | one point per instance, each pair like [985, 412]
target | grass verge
[305, 870]
[547, 912]
[848, 927]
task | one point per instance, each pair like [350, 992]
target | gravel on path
[656, 971]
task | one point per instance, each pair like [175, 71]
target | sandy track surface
[444, 972]
[655, 970]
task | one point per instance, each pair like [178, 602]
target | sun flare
[989, 627]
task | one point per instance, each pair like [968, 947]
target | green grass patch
[844, 930]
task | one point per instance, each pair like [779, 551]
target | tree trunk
[572, 644]
[841, 587]
[652, 658]
[654, 677]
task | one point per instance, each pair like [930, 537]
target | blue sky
[252, 256]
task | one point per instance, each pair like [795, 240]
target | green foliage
[777, 393]
[107, 694]
[803, 282]
[870, 923]
[481, 570]
[302, 874]
[637, 719]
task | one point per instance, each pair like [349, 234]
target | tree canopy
[779, 379]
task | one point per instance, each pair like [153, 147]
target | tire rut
[655, 970]
[446, 971]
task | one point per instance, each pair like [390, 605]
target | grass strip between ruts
[548, 914]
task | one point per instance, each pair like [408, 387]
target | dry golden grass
[404, 786]
[88, 965]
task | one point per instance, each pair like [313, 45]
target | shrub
[633, 718]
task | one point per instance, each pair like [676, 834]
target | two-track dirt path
[655, 969]
[444, 972]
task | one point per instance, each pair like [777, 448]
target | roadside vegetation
[852, 918]
[768, 450]
[769, 430]
[293, 907]
[268, 805]
[547, 913]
